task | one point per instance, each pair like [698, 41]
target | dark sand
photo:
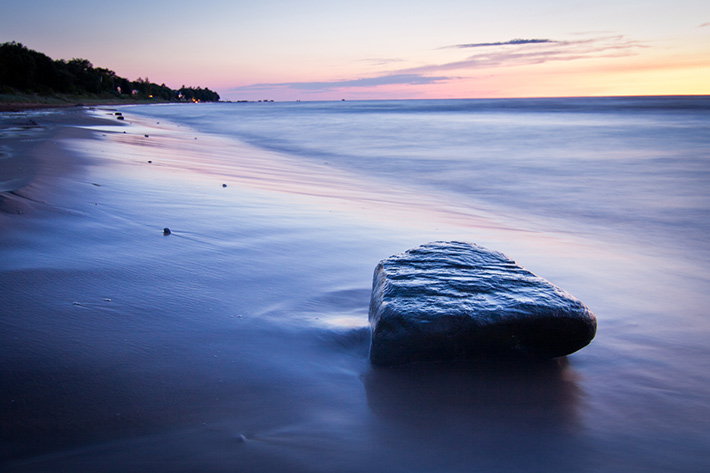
[33, 172]
[30, 158]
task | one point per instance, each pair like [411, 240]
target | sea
[239, 341]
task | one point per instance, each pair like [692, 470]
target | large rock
[450, 300]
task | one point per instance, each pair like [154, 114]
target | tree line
[23, 70]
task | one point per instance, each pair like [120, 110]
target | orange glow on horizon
[624, 76]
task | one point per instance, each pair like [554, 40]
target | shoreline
[17, 103]
[19, 107]
[31, 156]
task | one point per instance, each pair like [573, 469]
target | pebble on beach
[224, 185]
[166, 231]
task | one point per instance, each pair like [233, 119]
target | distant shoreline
[22, 102]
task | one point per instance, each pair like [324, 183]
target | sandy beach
[37, 173]
[239, 341]
[113, 332]
[30, 153]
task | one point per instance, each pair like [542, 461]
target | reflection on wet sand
[500, 412]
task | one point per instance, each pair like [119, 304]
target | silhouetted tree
[24, 70]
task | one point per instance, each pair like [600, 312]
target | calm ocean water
[239, 342]
[631, 167]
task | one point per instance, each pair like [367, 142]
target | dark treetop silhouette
[23, 70]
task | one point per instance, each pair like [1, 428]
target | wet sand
[31, 158]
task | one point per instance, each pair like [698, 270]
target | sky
[386, 49]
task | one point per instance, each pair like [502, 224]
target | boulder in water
[453, 300]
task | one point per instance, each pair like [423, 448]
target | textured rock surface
[449, 300]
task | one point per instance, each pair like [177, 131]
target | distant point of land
[31, 79]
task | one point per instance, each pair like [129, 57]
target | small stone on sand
[166, 231]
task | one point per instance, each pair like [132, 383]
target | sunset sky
[392, 49]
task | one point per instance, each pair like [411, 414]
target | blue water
[239, 342]
[636, 166]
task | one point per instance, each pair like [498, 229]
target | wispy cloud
[516, 52]
[512, 42]
[380, 61]
[704, 25]
[391, 79]
[542, 51]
